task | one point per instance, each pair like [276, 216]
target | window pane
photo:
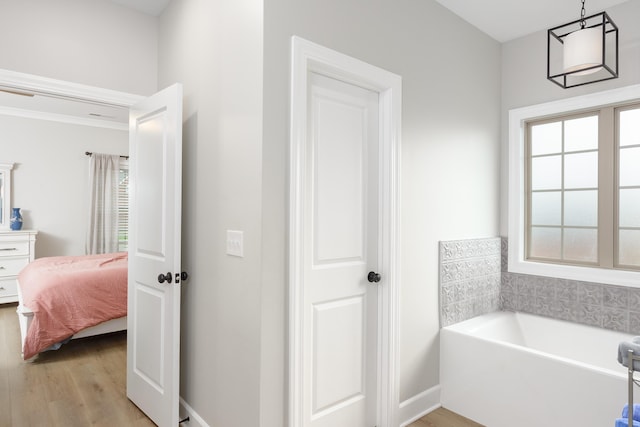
[546, 208]
[581, 208]
[581, 244]
[629, 166]
[546, 139]
[629, 208]
[123, 209]
[581, 170]
[545, 242]
[630, 127]
[581, 134]
[629, 247]
[546, 173]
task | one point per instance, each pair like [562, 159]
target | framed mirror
[5, 194]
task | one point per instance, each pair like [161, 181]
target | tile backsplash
[474, 280]
[595, 304]
[469, 279]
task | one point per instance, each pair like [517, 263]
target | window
[562, 202]
[123, 206]
[574, 188]
[628, 237]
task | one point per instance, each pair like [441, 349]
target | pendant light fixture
[583, 51]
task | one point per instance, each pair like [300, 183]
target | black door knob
[373, 277]
[182, 276]
[164, 278]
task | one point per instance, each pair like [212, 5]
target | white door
[340, 248]
[153, 337]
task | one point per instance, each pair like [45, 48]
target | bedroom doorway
[343, 280]
[82, 95]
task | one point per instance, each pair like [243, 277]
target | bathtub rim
[465, 328]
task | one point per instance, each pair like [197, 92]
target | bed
[67, 297]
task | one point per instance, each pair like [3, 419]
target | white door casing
[153, 337]
[343, 222]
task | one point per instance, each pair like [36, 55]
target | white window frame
[517, 195]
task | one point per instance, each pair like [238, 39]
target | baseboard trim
[419, 405]
[410, 410]
[195, 420]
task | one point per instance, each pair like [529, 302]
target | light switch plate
[235, 244]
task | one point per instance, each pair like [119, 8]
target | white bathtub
[508, 369]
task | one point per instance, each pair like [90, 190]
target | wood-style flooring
[442, 417]
[84, 384]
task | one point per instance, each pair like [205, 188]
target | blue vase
[16, 219]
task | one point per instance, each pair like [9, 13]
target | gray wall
[214, 47]
[50, 177]
[94, 42]
[524, 78]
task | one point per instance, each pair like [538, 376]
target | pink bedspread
[70, 293]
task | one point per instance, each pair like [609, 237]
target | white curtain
[102, 232]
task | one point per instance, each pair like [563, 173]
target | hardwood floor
[82, 384]
[442, 417]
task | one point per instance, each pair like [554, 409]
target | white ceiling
[506, 20]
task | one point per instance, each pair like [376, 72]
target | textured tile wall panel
[469, 278]
[595, 304]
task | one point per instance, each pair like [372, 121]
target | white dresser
[17, 249]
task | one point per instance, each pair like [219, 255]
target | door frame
[67, 90]
[307, 56]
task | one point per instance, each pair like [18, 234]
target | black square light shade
[583, 51]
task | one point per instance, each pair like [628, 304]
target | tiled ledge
[474, 281]
[469, 279]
